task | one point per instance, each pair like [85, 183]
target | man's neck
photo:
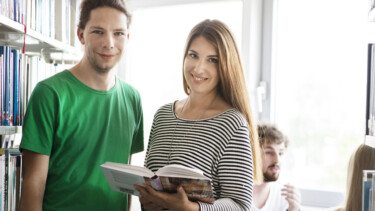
[261, 194]
[93, 79]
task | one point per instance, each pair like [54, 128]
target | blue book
[6, 87]
[367, 189]
[15, 85]
[2, 68]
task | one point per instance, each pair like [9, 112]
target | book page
[180, 171]
[122, 177]
[138, 170]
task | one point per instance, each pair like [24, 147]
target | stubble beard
[96, 66]
[270, 177]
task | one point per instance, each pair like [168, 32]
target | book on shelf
[368, 187]
[10, 179]
[123, 177]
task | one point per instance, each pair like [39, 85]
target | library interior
[308, 67]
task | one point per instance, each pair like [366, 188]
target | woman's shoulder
[165, 108]
[233, 116]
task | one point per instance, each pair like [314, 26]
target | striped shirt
[219, 146]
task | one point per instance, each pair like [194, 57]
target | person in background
[269, 195]
[363, 158]
[80, 118]
[211, 130]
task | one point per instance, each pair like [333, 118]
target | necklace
[174, 145]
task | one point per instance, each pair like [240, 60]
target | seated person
[362, 159]
[269, 196]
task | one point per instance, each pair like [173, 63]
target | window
[320, 87]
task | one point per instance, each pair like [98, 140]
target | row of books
[10, 86]
[13, 9]
[55, 19]
[19, 73]
[10, 179]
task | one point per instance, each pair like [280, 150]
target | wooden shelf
[12, 32]
[7, 130]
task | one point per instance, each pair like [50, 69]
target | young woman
[211, 130]
[362, 159]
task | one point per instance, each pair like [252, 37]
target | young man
[269, 196]
[81, 118]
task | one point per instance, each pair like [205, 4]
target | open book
[122, 177]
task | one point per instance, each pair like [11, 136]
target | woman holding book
[211, 130]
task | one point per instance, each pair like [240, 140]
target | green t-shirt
[81, 128]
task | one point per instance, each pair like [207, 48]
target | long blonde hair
[232, 85]
[362, 159]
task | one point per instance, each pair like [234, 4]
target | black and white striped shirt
[219, 146]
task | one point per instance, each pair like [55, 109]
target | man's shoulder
[56, 79]
[52, 84]
[127, 88]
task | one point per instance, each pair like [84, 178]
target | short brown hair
[88, 5]
[269, 134]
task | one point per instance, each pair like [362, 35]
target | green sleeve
[138, 138]
[39, 121]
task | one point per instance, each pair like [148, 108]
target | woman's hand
[157, 200]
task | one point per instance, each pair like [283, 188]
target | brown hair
[232, 85]
[269, 134]
[88, 5]
[362, 159]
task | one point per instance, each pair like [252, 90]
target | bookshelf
[8, 130]
[12, 32]
[46, 31]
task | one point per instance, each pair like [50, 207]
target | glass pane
[320, 87]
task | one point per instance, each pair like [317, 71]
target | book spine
[15, 87]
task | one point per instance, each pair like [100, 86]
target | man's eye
[97, 32]
[119, 33]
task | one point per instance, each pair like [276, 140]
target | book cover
[122, 178]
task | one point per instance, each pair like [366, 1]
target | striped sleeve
[235, 172]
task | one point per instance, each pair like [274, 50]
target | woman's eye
[192, 55]
[213, 60]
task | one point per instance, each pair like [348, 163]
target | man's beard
[270, 177]
[97, 67]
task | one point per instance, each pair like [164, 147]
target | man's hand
[292, 196]
[157, 200]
